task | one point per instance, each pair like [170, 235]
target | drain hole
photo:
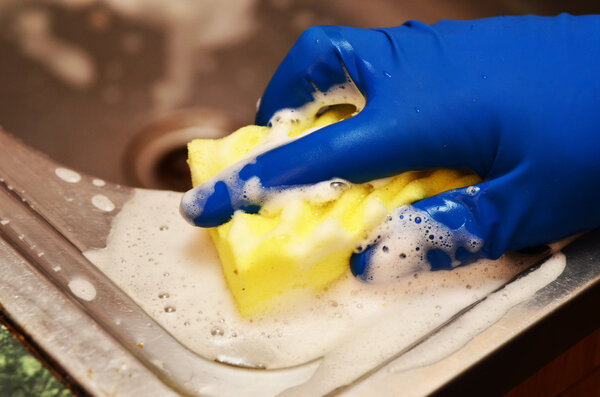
[156, 157]
[173, 172]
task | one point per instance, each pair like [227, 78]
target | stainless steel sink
[85, 80]
[108, 87]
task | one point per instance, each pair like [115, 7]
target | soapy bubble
[412, 227]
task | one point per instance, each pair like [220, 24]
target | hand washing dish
[172, 272]
[302, 238]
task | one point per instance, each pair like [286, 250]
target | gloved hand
[515, 99]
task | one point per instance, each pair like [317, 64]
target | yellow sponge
[302, 244]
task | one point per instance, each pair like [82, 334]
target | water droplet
[67, 175]
[387, 74]
[163, 295]
[333, 303]
[359, 305]
[217, 331]
[418, 109]
[83, 289]
[163, 228]
[169, 309]
[4, 221]
[484, 76]
[418, 219]
[431, 236]
[98, 182]
[385, 248]
[103, 203]
[187, 324]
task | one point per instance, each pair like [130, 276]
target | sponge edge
[299, 244]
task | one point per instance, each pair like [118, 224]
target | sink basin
[89, 82]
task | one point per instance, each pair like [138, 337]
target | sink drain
[156, 157]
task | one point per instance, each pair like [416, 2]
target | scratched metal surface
[109, 346]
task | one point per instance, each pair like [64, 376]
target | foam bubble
[385, 318]
[402, 242]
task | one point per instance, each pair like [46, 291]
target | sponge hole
[347, 110]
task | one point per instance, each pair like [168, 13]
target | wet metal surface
[107, 344]
[47, 218]
[130, 72]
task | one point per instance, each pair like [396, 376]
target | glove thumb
[442, 232]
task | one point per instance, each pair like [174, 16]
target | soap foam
[172, 271]
[401, 244]
[481, 317]
[162, 262]
[251, 191]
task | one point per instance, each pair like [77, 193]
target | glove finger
[321, 58]
[442, 232]
[312, 64]
[368, 146]
[316, 157]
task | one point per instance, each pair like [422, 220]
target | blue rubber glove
[515, 99]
